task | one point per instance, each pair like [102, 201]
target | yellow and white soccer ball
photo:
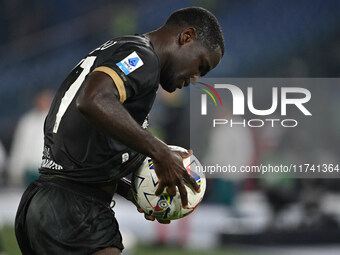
[166, 207]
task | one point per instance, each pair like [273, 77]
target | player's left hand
[152, 218]
[140, 210]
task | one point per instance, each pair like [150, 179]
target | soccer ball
[166, 207]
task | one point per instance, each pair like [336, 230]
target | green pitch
[8, 243]
[9, 246]
[156, 250]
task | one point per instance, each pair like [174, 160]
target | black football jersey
[74, 148]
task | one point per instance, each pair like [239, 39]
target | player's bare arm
[99, 102]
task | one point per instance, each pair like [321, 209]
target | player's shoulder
[135, 48]
[134, 41]
[137, 53]
[139, 43]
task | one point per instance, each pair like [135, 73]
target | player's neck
[161, 43]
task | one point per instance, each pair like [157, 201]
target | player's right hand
[171, 173]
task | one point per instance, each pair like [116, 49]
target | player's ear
[187, 35]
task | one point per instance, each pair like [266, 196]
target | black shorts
[58, 216]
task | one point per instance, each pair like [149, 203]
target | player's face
[190, 61]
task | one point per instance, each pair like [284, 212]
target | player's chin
[169, 87]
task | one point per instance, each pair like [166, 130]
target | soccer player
[95, 135]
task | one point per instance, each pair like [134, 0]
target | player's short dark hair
[208, 30]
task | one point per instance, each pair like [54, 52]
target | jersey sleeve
[134, 70]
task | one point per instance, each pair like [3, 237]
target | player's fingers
[186, 154]
[171, 190]
[140, 210]
[160, 188]
[184, 195]
[149, 217]
[191, 181]
[164, 221]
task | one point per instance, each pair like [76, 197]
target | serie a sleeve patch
[130, 63]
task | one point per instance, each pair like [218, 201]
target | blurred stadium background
[41, 41]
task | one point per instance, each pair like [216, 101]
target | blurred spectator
[2, 163]
[27, 145]
[232, 146]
